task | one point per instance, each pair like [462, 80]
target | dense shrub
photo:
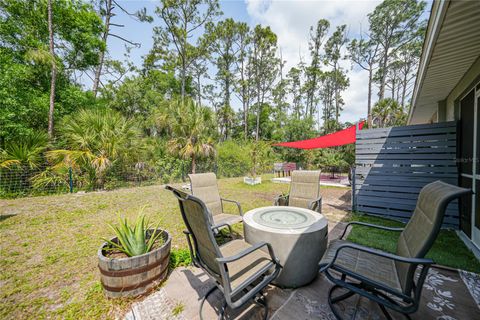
[233, 159]
[237, 158]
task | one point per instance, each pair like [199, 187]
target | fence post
[70, 179]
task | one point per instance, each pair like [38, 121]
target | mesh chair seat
[376, 272]
[204, 186]
[246, 267]
[304, 191]
[364, 264]
[227, 218]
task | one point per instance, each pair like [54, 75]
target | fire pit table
[298, 237]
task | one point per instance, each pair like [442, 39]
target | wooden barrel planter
[133, 276]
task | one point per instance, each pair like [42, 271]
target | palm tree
[96, 140]
[26, 153]
[191, 127]
[388, 112]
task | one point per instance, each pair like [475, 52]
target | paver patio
[447, 294]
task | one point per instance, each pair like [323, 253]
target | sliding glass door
[469, 155]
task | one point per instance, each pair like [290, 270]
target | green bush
[233, 158]
[179, 258]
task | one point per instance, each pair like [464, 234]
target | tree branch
[136, 44]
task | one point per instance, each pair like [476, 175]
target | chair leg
[261, 301]
[384, 309]
[342, 297]
[385, 312]
[222, 310]
[332, 301]
[205, 298]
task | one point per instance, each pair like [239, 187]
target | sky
[289, 19]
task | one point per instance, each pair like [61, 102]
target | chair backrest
[421, 231]
[204, 186]
[199, 224]
[304, 188]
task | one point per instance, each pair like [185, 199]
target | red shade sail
[339, 138]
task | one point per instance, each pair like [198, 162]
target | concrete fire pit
[298, 237]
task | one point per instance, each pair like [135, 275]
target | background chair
[389, 279]
[304, 191]
[204, 186]
[240, 270]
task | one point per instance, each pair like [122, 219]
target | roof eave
[437, 15]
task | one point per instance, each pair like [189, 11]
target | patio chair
[241, 271]
[204, 186]
[304, 191]
[393, 281]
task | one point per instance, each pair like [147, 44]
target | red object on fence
[339, 138]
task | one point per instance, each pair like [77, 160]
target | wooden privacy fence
[393, 164]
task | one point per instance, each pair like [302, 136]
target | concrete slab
[447, 294]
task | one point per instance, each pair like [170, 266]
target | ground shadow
[215, 300]
[6, 216]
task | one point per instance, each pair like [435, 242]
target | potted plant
[135, 260]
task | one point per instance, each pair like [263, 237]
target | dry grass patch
[49, 244]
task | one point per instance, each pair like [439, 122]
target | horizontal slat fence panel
[393, 164]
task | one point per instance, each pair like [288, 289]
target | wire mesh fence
[23, 181]
[20, 181]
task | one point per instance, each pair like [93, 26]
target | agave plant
[134, 240]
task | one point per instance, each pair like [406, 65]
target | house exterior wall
[463, 86]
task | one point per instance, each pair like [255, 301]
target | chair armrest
[391, 256]
[222, 225]
[376, 226]
[236, 202]
[248, 251]
[281, 200]
[315, 204]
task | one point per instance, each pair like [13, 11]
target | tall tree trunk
[257, 76]
[245, 115]
[194, 164]
[369, 103]
[98, 71]
[381, 92]
[258, 121]
[183, 55]
[183, 74]
[199, 90]
[227, 102]
[53, 72]
[404, 89]
[337, 104]
[393, 87]
[244, 99]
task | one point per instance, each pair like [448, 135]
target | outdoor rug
[447, 295]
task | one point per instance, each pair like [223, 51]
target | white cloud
[291, 21]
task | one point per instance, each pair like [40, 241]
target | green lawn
[448, 249]
[48, 245]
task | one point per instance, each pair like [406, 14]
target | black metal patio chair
[241, 271]
[393, 281]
